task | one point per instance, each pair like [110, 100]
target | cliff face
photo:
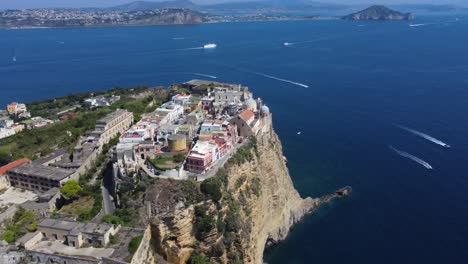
[379, 13]
[172, 17]
[259, 204]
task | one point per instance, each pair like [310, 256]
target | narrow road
[108, 206]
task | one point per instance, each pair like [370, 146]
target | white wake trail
[281, 80]
[425, 136]
[304, 42]
[412, 157]
[196, 48]
[417, 25]
[202, 74]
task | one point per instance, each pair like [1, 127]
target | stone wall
[40, 257]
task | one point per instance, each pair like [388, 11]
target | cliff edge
[231, 217]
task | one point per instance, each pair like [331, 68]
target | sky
[17, 4]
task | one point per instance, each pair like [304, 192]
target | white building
[6, 132]
[181, 99]
[171, 110]
[6, 123]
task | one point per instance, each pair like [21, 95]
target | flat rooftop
[111, 116]
[42, 171]
[74, 227]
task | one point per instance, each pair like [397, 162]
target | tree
[134, 244]
[9, 236]
[71, 188]
[199, 259]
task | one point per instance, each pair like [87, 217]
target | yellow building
[11, 108]
[177, 142]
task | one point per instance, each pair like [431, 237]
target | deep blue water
[363, 77]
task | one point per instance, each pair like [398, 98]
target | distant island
[177, 12]
[379, 12]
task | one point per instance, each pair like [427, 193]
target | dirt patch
[83, 204]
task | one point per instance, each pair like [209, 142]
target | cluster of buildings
[205, 125]
[9, 127]
[58, 241]
[73, 17]
[101, 101]
[54, 170]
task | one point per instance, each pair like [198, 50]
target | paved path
[108, 206]
[200, 177]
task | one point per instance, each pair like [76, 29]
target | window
[55, 236]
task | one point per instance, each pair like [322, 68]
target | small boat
[14, 59]
[299, 133]
[287, 43]
[210, 46]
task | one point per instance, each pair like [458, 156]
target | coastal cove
[361, 77]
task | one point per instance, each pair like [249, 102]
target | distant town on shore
[185, 12]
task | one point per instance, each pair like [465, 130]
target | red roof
[13, 164]
[247, 114]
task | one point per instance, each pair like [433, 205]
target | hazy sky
[103, 3]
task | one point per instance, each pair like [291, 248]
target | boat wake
[425, 136]
[202, 75]
[195, 48]
[304, 42]
[412, 157]
[417, 25]
[281, 80]
[178, 38]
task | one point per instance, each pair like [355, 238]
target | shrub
[71, 188]
[212, 188]
[134, 244]
[33, 227]
[199, 259]
[9, 236]
[204, 222]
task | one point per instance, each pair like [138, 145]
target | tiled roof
[247, 115]
[13, 164]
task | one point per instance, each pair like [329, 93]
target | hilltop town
[189, 136]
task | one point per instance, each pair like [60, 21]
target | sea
[348, 87]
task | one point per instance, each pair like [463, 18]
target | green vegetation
[191, 192]
[168, 162]
[199, 259]
[212, 187]
[42, 141]
[79, 206]
[204, 221]
[245, 153]
[71, 188]
[94, 192]
[64, 134]
[125, 217]
[22, 222]
[134, 244]
[87, 202]
[113, 240]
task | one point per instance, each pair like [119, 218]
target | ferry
[210, 46]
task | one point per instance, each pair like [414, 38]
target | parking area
[16, 196]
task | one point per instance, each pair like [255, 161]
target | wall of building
[4, 182]
[40, 257]
[144, 251]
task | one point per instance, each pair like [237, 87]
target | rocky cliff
[378, 12]
[231, 217]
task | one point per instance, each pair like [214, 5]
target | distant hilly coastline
[379, 12]
[148, 5]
